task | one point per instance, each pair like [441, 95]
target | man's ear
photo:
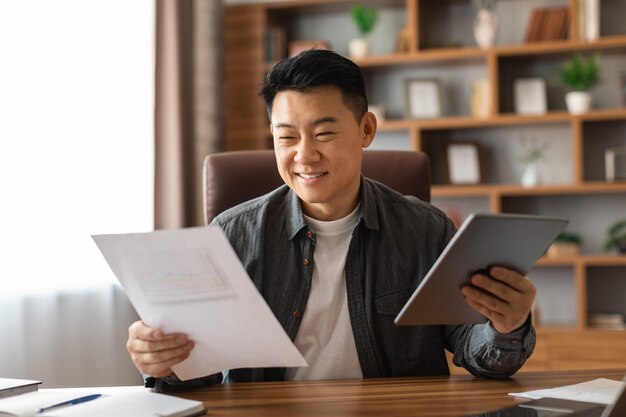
[368, 127]
[271, 129]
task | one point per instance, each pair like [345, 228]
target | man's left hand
[504, 296]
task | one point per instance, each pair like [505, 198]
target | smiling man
[336, 255]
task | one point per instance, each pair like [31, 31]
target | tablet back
[484, 240]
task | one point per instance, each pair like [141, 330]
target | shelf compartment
[556, 288]
[501, 147]
[590, 215]
[606, 290]
[598, 136]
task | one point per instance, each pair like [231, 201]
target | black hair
[317, 68]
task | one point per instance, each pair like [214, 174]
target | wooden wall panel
[246, 121]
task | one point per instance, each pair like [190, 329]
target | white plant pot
[359, 48]
[530, 177]
[578, 102]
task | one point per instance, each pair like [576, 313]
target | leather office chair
[231, 178]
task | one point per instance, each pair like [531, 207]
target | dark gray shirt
[394, 243]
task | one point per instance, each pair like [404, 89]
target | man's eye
[323, 134]
[286, 137]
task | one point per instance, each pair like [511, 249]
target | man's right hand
[153, 352]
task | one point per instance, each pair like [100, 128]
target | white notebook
[131, 404]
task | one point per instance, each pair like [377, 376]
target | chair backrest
[231, 178]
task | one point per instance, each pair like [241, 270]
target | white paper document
[602, 391]
[191, 281]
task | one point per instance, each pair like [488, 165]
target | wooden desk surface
[430, 396]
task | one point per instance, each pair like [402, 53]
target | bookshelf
[570, 288]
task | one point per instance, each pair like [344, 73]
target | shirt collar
[368, 213]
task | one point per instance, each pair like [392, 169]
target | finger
[494, 316]
[163, 369]
[147, 346]
[488, 301]
[163, 356]
[140, 330]
[495, 287]
[510, 277]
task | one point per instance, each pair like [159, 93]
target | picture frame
[463, 163]
[423, 98]
[530, 96]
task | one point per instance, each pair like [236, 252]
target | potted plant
[365, 20]
[579, 75]
[533, 154]
[617, 237]
[567, 244]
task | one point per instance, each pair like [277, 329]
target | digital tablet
[483, 240]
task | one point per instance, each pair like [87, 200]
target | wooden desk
[431, 396]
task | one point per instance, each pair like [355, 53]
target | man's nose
[307, 151]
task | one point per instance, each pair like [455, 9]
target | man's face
[319, 147]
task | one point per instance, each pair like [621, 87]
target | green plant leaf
[580, 74]
[364, 18]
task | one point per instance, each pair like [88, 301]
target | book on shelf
[10, 387]
[548, 24]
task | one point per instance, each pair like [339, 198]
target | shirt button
[309, 234]
[296, 314]
[305, 262]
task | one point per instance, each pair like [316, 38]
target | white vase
[578, 102]
[485, 28]
[359, 48]
[530, 177]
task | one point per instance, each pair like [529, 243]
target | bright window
[76, 137]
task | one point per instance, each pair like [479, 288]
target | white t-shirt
[325, 336]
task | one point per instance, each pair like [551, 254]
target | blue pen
[71, 402]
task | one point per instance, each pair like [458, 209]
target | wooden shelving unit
[571, 346]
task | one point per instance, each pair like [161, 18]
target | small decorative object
[591, 19]
[423, 98]
[567, 244]
[463, 163]
[402, 40]
[378, 110]
[530, 96]
[365, 20]
[480, 100]
[486, 25]
[533, 154]
[615, 164]
[617, 237]
[579, 75]
[296, 47]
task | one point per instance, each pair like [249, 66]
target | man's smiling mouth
[311, 176]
